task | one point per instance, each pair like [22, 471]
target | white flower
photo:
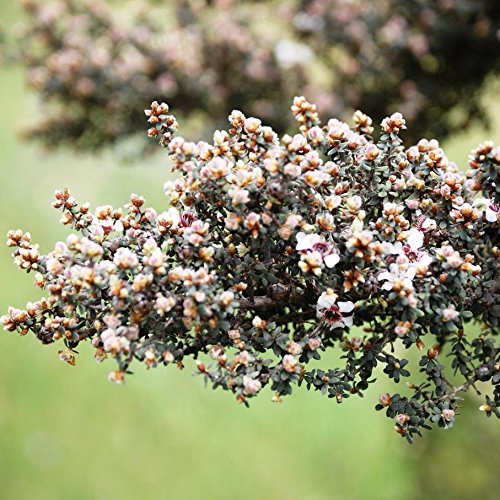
[415, 239]
[353, 203]
[426, 224]
[311, 262]
[169, 218]
[331, 260]
[333, 201]
[398, 277]
[307, 243]
[54, 266]
[90, 248]
[164, 305]
[357, 225]
[289, 363]
[332, 312]
[410, 252]
[491, 210]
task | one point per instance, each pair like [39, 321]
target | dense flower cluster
[275, 251]
[209, 57]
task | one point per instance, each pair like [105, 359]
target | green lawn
[66, 433]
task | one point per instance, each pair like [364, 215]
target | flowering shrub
[273, 252]
[206, 58]
[405, 55]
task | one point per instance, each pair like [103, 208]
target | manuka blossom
[490, 209]
[307, 243]
[333, 313]
[398, 278]
[273, 252]
[411, 250]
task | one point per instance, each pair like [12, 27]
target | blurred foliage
[208, 57]
[67, 433]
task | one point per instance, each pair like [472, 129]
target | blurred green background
[67, 433]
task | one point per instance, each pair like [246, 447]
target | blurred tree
[96, 68]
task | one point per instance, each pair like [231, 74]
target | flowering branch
[274, 251]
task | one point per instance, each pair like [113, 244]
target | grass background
[66, 433]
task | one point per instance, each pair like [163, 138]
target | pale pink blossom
[251, 386]
[289, 363]
[450, 313]
[125, 258]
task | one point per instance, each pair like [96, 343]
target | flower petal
[301, 241]
[491, 215]
[347, 321]
[411, 272]
[345, 307]
[386, 275]
[415, 238]
[331, 260]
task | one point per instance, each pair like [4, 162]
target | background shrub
[206, 58]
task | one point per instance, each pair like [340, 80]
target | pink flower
[292, 170]
[294, 348]
[385, 399]
[156, 259]
[402, 418]
[447, 414]
[412, 204]
[314, 344]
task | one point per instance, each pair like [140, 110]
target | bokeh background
[66, 433]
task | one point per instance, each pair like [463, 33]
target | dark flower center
[332, 314]
[411, 254]
[187, 218]
[322, 247]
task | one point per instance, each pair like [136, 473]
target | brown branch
[278, 297]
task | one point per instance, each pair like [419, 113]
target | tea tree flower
[276, 251]
[335, 314]
[315, 243]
